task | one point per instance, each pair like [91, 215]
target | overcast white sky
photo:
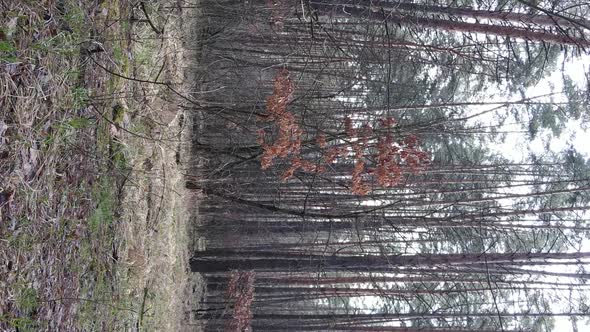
[517, 146]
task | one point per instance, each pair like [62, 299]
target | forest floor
[94, 213]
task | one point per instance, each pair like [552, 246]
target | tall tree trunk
[448, 25]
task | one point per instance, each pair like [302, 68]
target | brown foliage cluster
[365, 144]
[240, 293]
[392, 157]
[288, 140]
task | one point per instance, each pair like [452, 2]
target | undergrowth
[61, 167]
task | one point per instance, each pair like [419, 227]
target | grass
[48, 172]
[75, 164]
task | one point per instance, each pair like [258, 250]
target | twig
[142, 308]
[147, 18]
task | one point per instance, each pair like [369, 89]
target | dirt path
[156, 206]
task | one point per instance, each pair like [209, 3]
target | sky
[574, 134]
[518, 146]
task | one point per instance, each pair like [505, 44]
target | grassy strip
[70, 134]
[61, 165]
